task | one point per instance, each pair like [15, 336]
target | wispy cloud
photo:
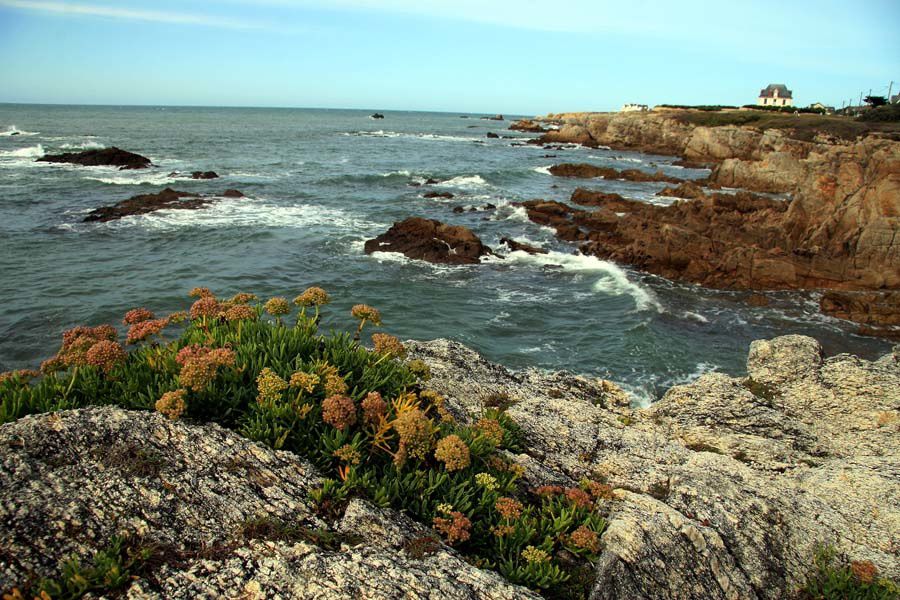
[90, 10]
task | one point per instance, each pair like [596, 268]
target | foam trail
[615, 282]
[544, 170]
[465, 181]
[29, 152]
[83, 146]
[140, 179]
[11, 131]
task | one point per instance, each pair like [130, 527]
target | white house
[775, 94]
[634, 108]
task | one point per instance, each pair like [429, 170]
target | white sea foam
[627, 159]
[13, 131]
[28, 152]
[380, 133]
[615, 282]
[141, 178]
[465, 181]
[696, 317]
[544, 170]
[83, 146]
[402, 173]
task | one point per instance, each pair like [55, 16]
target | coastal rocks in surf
[146, 203]
[492, 135]
[494, 118]
[878, 309]
[515, 246]
[723, 488]
[430, 240]
[214, 508]
[528, 125]
[111, 157]
[588, 171]
[204, 175]
[446, 195]
[377, 116]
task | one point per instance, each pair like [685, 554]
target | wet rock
[758, 300]
[430, 240]
[204, 175]
[688, 190]
[870, 308]
[494, 118]
[587, 171]
[527, 125]
[112, 157]
[515, 246]
[74, 479]
[492, 135]
[459, 209]
[594, 198]
[146, 203]
[722, 488]
[431, 181]
[437, 195]
[377, 116]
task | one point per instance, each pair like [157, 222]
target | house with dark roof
[775, 94]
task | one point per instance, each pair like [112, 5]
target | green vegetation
[835, 579]
[362, 417]
[888, 113]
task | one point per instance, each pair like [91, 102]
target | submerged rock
[147, 203]
[377, 116]
[587, 171]
[204, 175]
[430, 240]
[437, 195]
[514, 246]
[492, 135]
[112, 157]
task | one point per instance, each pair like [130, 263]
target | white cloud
[70, 8]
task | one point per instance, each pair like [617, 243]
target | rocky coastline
[722, 489]
[838, 230]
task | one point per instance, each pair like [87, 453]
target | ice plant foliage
[362, 417]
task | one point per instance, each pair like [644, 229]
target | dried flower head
[585, 539]
[172, 404]
[487, 481]
[599, 490]
[201, 292]
[509, 508]
[388, 345]
[243, 298]
[339, 412]
[22, 375]
[455, 529]
[206, 306]
[306, 382]
[277, 306]
[502, 530]
[348, 454]
[549, 490]
[864, 570]
[374, 408]
[535, 555]
[137, 315]
[270, 386]
[453, 452]
[579, 497]
[105, 355]
[364, 313]
[312, 296]
[491, 430]
[141, 331]
[240, 312]
[79, 340]
[416, 433]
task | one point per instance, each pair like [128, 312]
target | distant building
[634, 108]
[775, 94]
[820, 106]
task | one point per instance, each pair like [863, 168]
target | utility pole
[890, 88]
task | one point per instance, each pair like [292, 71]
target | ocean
[318, 184]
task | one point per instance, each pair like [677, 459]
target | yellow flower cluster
[487, 481]
[535, 555]
[270, 385]
[389, 345]
[172, 404]
[334, 384]
[491, 430]
[445, 508]
[277, 306]
[416, 434]
[453, 452]
[348, 454]
[306, 382]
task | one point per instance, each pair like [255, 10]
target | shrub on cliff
[360, 416]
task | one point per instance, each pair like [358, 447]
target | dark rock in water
[515, 246]
[204, 175]
[14, 133]
[431, 181]
[430, 240]
[463, 116]
[111, 157]
[528, 125]
[492, 135]
[437, 195]
[489, 206]
[550, 155]
[377, 116]
[494, 118]
[587, 171]
[458, 209]
[593, 198]
[414, 184]
[147, 203]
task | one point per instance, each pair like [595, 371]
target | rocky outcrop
[204, 175]
[588, 171]
[527, 125]
[877, 309]
[111, 157]
[724, 487]
[146, 203]
[494, 118]
[515, 246]
[492, 135]
[446, 195]
[376, 116]
[224, 517]
[430, 240]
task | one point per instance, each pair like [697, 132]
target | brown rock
[515, 246]
[112, 157]
[233, 194]
[758, 300]
[204, 175]
[688, 189]
[492, 135]
[527, 125]
[437, 195]
[146, 203]
[594, 198]
[870, 308]
[587, 171]
[430, 240]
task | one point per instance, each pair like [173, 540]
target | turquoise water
[321, 182]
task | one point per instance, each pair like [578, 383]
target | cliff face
[720, 490]
[840, 230]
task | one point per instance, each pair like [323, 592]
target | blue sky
[517, 57]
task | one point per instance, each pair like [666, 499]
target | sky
[507, 56]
